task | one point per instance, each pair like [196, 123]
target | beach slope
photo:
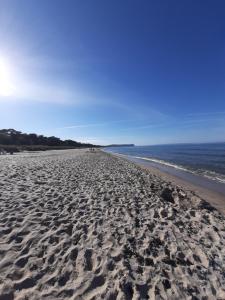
[76, 224]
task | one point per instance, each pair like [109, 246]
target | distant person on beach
[2, 152]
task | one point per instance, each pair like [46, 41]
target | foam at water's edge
[205, 173]
[208, 174]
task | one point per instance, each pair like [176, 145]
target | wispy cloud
[156, 125]
[93, 124]
[202, 120]
[177, 123]
[106, 140]
[35, 79]
[45, 80]
[39, 92]
[206, 113]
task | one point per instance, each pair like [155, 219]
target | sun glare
[5, 79]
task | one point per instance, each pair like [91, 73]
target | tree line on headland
[13, 140]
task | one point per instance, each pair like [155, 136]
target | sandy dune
[81, 225]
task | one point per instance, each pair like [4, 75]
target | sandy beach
[81, 225]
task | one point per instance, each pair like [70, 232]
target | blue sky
[143, 72]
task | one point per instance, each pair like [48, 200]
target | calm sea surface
[207, 160]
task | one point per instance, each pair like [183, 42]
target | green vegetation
[12, 140]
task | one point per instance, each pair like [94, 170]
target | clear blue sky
[143, 72]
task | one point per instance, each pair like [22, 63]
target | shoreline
[215, 198]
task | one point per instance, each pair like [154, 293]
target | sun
[6, 87]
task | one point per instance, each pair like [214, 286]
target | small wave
[212, 175]
[201, 172]
[206, 173]
[163, 162]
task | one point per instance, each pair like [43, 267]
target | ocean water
[207, 160]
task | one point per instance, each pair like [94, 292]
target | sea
[206, 160]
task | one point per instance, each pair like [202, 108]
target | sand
[215, 198]
[82, 225]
